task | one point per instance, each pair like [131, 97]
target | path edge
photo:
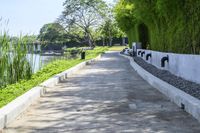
[15, 108]
[187, 102]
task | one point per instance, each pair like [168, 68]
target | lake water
[37, 61]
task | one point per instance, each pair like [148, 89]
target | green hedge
[173, 25]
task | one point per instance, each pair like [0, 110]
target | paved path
[107, 96]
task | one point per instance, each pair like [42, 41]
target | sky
[28, 16]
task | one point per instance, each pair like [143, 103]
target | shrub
[173, 26]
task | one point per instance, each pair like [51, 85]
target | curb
[187, 102]
[9, 112]
[13, 109]
[51, 82]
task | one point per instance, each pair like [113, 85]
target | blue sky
[28, 16]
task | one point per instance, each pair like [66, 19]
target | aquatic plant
[14, 65]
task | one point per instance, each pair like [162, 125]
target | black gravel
[189, 87]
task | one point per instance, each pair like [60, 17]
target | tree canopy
[51, 32]
[84, 22]
[85, 15]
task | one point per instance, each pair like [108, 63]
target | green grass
[11, 92]
[95, 52]
[116, 48]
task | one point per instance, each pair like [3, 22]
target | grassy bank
[11, 92]
[116, 48]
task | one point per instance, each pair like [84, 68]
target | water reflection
[37, 61]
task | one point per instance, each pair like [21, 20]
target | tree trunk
[92, 40]
[123, 41]
[88, 39]
[110, 39]
[103, 41]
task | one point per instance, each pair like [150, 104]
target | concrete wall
[182, 65]
[179, 97]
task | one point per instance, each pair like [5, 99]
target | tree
[126, 21]
[52, 32]
[107, 31]
[31, 38]
[85, 15]
[109, 27]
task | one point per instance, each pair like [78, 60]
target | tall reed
[14, 65]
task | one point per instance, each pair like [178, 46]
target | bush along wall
[162, 25]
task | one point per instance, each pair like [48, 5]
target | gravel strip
[184, 85]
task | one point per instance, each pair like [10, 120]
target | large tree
[52, 32]
[109, 28]
[85, 15]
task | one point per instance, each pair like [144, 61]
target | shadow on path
[107, 96]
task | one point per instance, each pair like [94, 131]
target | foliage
[108, 30]
[116, 48]
[10, 92]
[83, 22]
[125, 18]
[52, 32]
[84, 15]
[73, 52]
[31, 38]
[95, 52]
[14, 65]
[173, 26]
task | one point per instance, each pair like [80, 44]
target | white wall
[182, 65]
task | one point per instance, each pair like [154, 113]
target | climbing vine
[172, 26]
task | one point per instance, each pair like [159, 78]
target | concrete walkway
[107, 96]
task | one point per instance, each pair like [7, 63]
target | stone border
[12, 110]
[185, 66]
[187, 102]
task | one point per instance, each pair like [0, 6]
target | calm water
[37, 61]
